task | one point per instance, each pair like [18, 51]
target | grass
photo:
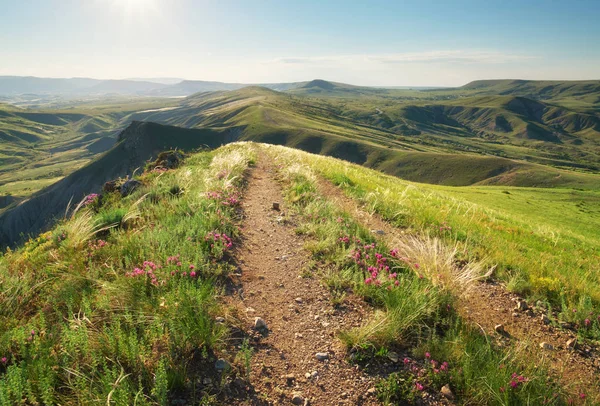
[124, 315]
[410, 311]
[532, 246]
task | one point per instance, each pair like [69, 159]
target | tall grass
[118, 306]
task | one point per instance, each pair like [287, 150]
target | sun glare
[133, 7]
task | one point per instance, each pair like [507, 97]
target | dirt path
[489, 304]
[300, 318]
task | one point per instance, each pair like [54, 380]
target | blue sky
[437, 43]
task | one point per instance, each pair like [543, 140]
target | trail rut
[300, 318]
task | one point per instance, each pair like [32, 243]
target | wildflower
[582, 395]
[406, 361]
[587, 322]
[417, 266]
[502, 389]
[32, 332]
[192, 267]
[419, 386]
[427, 355]
[396, 282]
[514, 384]
[4, 360]
[193, 274]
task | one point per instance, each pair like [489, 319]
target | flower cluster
[159, 169]
[174, 260]
[432, 373]
[516, 380]
[226, 199]
[222, 238]
[146, 270]
[89, 199]
[377, 267]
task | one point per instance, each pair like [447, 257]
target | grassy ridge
[412, 312]
[117, 304]
[543, 242]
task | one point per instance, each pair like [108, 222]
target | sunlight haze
[392, 43]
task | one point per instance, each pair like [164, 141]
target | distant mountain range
[78, 87]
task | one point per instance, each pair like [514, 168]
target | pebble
[259, 323]
[545, 319]
[393, 356]
[515, 314]
[220, 320]
[546, 346]
[322, 356]
[499, 328]
[298, 335]
[371, 391]
[222, 365]
[207, 381]
[276, 206]
[572, 343]
[297, 399]
[447, 392]
[298, 300]
[250, 310]
[522, 305]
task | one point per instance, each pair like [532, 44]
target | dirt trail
[300, 318]
[489, 304]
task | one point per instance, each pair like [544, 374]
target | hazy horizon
[432, 44]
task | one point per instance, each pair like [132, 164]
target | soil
[300, 318]
[490, 304]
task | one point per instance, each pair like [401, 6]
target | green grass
[409, 311]
[96, 315]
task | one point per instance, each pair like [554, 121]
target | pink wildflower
[419, 386]
[193, 274]
[427, 355]
[4, 360]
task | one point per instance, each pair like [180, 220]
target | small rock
[290, 379]
[545, 319]
[222, 365]
[297, 399]
[529, 313]
[447, 392]
[298, 300]
[250, 310]
[572, 343]
[298, 335]
[371, 391]
[322, 356]
[207, 381]
[260, 324]
[220, 320]
[515, 314]
[392, 356]
[314, 374]
[546, 346]
[522, 305]
[378, 232]
[276, 206]
[499, 328]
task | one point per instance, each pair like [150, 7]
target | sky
[374, 43]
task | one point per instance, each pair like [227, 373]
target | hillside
[262, 274]
[136, 144]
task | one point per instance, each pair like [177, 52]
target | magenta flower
[193, 274]
[419, 386]
[427, 355]
[192, 267]
[514, 384]
[4, 360]
[587, 322]
[32, 332]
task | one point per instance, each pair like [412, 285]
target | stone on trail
[499, 329]
[298, 300]
[572, 343]
[260, 324]
[322, 356]
[546, 346]
[545, 319]
[297, 399]
[276, 206]
[522, 305]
